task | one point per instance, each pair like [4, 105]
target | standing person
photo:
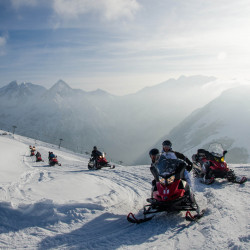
[168, 153]
[154, 154]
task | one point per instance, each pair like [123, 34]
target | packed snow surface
[71, 207]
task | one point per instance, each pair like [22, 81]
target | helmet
[167, 143]
[154, 151]
[94, 147]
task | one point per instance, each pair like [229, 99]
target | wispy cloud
[108, 9]
[20, 3]
[127, 38]
[3, 41]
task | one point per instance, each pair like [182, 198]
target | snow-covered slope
[70, 207]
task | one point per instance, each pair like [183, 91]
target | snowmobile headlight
[170, 179]
[222, 159]
[162, 181]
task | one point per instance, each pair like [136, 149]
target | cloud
[107, 9]
[20, 3]
[222, 56]
[3, 41]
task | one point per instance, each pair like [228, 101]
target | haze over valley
[125, 127]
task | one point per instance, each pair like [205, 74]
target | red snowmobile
[99, 163]
[215, 165]
[171, 193]
[39, 158]
[54, 161]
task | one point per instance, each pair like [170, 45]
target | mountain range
[122, 126]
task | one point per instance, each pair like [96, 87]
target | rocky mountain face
[123, 127]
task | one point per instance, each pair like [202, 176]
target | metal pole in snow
[60, 142]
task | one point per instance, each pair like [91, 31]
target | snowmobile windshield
[168, 167]
[216, 150]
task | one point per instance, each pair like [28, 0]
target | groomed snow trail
[70, 207]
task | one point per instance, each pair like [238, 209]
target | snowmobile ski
[190, 217]
[131, 218]
[208, 182]
[240, 180]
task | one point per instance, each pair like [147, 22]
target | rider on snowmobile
[51, 156]
[168, 153]
[38, 155]
[95, 153]
[32, 150]
[172, 192]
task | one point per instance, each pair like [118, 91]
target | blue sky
[122, 46]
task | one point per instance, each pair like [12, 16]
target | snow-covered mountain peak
[10, 87]
[61, 84]
[12, 84]
[192, 80]
[61, 88]
[26, 85]
[98, 92]
[20, 91]
[196, 81]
